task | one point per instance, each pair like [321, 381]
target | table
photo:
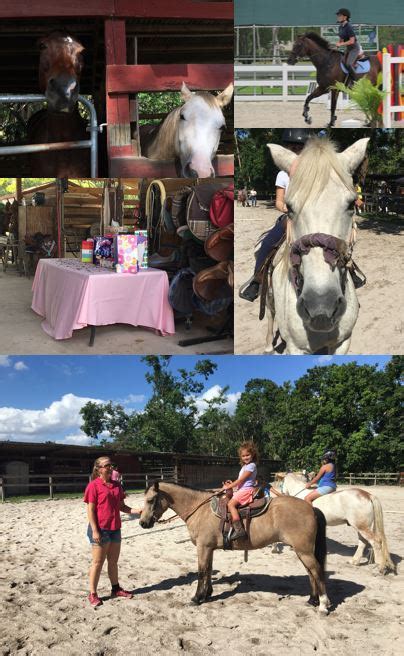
[70, 294]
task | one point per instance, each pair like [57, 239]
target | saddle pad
[361, 67]
[255, 512]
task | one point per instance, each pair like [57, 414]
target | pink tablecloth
[71, 295]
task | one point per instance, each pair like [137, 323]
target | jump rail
[388, 108]
[283, 76]
[91, 143]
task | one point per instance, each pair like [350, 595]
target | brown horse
[327, 61]
[60, 66]
[287, 520]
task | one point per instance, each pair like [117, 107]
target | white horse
[355, 507]
[190, 132]
[315, 302]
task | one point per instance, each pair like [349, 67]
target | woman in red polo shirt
[105, 500]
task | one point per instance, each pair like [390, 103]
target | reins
[170, 519]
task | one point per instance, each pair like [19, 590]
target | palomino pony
[60, 66]
[287, 520]
[315, 303]
[190, 132]
[327, 61]
[355, 507]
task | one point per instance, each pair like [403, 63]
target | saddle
[258, 506]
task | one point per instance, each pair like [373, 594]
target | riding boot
[238, 530]
[352, 73]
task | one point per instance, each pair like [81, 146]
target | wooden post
[3, 490]
[146, 481]
[50, 487]
[350, 479]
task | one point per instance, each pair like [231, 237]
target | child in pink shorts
[245, 484]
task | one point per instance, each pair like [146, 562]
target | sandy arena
[378, 252]
[257, 607]
[276, 114]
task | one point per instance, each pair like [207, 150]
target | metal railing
[60, 483]
[91, 143]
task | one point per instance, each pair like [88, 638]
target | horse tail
[320, 547]
[386, 564]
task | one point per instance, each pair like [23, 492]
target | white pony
[190, 132]
[355, 507]
[315, 303]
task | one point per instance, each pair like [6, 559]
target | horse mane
[187, 487]
[322, 43]
[161, 143]
[318, 162]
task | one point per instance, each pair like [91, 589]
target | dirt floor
[257, 607]
[275, 114]
[21, 332]
[378, 252]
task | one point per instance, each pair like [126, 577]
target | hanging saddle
[258, 506]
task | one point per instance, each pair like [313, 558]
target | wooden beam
[50, 8]
[167, 77]
[142, 167]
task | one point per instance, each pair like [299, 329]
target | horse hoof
[308, 120]
[196, 601]
[313, 601]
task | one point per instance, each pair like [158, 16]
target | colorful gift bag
[127, 254]
[142, 248]
[104, 249]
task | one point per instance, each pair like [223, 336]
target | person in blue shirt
[347, 38]
[325, 477]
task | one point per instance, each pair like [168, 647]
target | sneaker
[121, 593]
[251, 292]
[94, 600]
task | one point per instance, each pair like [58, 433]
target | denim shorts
[325, 489]
[106, 535]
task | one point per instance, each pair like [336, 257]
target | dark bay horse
[327, 61]
[60, 67]
[287, 520]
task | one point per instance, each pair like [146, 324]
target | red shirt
[107, 498]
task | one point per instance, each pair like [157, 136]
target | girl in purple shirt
[244, 483]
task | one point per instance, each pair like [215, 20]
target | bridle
[170, 519]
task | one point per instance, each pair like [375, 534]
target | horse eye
[183, 117]
[351, 205]
[42, 46]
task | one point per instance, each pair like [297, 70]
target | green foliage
[366, 97]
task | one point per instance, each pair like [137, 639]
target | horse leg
[306, 109]
[205, 560]
[334, 98]
[318, 595]
[358, 555]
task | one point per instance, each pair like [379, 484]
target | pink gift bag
[127, 254]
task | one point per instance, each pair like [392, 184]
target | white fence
[283, 77]
[388, 108]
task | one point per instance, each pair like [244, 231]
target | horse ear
[282, 157]
[156, 486]
[225, 96]
[354, 155]
[186, 94]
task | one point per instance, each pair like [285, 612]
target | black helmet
[328, 455]
[295, 135]
[344, 12]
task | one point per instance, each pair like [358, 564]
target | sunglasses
[107, 465]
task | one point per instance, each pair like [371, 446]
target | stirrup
[244, 288]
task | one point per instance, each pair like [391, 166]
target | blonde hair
[95, 473]
[251, 448]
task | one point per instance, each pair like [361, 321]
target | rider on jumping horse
[348, 38]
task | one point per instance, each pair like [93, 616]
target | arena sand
[257, 607]
[378, 252]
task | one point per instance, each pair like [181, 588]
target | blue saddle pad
[360, 68]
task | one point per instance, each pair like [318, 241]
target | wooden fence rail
[64, 482]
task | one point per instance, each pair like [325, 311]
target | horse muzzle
[321, 313]
[62, 94]
[147, 523]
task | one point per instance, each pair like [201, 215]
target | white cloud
[20, 366]
[211, 393]
[5, 361]
[18, 423]
[324, 359]
[132, 398]
[80, 439]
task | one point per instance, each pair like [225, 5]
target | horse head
[60, 66]
[156, 503]
[299, 50]
[320, 200]
[200, 124]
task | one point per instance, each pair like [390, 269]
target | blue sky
[40, 396]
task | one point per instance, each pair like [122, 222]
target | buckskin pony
[293, 519]
[60, 67]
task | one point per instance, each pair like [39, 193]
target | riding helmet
[295, 135]
[344, 12]
[328, 455]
